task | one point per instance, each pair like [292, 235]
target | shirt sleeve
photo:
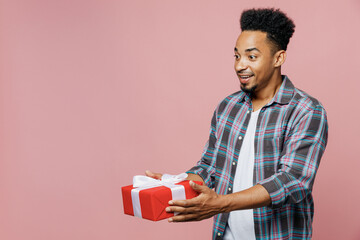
[205, 167]
[300, 159]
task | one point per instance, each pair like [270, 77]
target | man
[265, 144]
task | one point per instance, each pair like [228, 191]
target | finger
[183, 218]
[183, 203]
[153, 175]
[198, 188]
[181, 210]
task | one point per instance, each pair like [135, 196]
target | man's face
[254, 60]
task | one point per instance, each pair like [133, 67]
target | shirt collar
[285, 92]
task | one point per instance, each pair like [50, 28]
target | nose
[240, 65]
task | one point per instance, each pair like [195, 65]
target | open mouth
[245, 78]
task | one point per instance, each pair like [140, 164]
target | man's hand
[209, 203]
[206, 205]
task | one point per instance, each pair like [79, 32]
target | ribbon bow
[167, 180]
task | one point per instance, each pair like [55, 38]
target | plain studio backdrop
[94, 92]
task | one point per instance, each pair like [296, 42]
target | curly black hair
[276, 24]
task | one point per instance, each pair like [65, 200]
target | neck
[269, 91]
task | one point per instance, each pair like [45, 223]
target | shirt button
[248, 112]
[229, 188]
[234, 162]
[219, 234]
[240, 137]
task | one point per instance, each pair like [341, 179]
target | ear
[279, 58]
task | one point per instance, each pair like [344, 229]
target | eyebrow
[248, 50]
[252, 49]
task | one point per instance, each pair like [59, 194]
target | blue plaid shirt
[290, 138]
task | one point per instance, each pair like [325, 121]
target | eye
[236, 56]
[252, 57]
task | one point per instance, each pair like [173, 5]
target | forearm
[254, 197]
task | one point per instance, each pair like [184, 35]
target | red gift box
[153, 201]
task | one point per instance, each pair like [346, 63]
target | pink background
[94, 92]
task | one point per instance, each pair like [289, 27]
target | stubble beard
[250, 90]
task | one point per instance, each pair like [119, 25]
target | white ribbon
[143, 182]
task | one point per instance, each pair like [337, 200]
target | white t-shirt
[241, 223]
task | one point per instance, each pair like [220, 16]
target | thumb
[198, 188]
[153, 175]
